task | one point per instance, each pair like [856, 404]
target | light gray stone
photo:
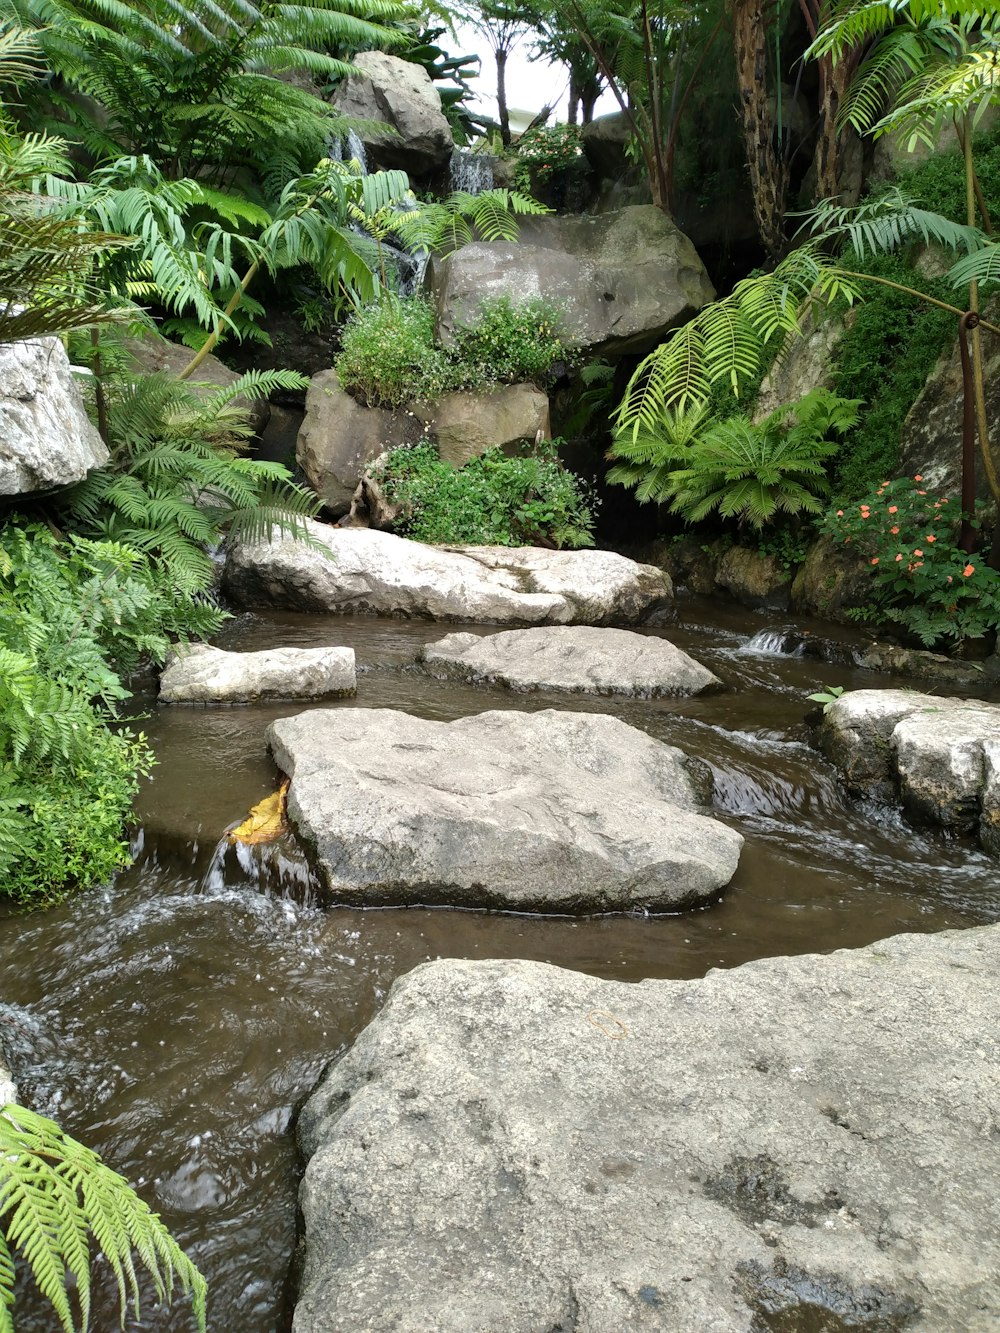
[468, 423]
[805, 364]
[942, 755]
[798, 1143]
[202, 674]
[401, 95]
[46, 438]
[380, 574]
[340, 437]
[620, 280]
[529, 812]
[155, 355]
[579, 658]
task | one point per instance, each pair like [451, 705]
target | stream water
[176, 1020]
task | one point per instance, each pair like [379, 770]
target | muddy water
[176, 1020]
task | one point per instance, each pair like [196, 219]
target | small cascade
[276, 870]
[471, 173]
[782, 642]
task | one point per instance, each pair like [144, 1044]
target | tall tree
[503, 26]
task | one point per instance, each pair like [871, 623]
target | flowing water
[176, 1020]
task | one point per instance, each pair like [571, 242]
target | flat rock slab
[204, 675]
[797, 1144]
[580, 658]
[529, 812]
[361, 571]
[942, 756]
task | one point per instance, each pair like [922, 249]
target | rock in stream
[941, 755]
[798, 1143]
[530, 812]
[201, 674]
[580, 658]
[356, 570]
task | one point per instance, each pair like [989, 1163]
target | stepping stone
[205, 675]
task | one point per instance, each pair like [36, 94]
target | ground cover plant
[494, 500]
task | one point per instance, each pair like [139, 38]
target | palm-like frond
[889, 222]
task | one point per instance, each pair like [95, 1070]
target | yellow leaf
[267, 819]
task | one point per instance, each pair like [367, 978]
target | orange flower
[894, 509]
[840, 513]
[899, 557]
[918, 477]
[930, 537]
[918, 552]
[969, 569]
[894, 531]
[874, 559]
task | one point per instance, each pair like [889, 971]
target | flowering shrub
[920, 578]
[544, 152]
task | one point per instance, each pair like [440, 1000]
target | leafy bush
[66, 778]
[743, 470]
[389, 357]
[546, 151]
[920, 579]
[55, 1193]
[492, 501]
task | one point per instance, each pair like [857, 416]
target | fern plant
[743, 470]
[197, 85]
[54, 1194]
[176, 483]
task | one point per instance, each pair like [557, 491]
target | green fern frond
[54, 1193]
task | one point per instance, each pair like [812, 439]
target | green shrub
[492, 501]
[389, 357]
[920, 579]
[546, 152]
[508, 344]
[66, 777]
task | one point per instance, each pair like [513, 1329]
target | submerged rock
[943, 755]
[540, 812]
[578, 658]
[362, 571]
[798, 1143]
[201, 674]
[46, 439]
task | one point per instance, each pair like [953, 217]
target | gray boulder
[528, 812]
[46, 438]
[154, 355]
[754, 578]
[604, 141]
[806, 364]
[579, 658]
[402, 96]
[204, 675]
[799, 1143]
[377, 573]
[942, 755]
[621, 280]
[833, 580]
[468, 423]
[339, 437]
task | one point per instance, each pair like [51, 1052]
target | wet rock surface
[545, 812]
[941, 755]
[200, 674]
[583, 659]
[796, 1144]
[46, 438]
[361, 571]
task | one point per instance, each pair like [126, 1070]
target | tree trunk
[502, 113]
[767, 170]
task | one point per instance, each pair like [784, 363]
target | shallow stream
[176, 1020]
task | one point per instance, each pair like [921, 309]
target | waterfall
[471, 172]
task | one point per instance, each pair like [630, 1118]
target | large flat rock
[361, 571]
[797, 1144]
[579, 658]
[548, 811]
[941, 755]
[205, 675]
